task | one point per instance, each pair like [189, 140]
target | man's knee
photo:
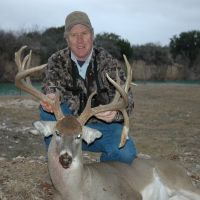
[126, 154]
[128, 157]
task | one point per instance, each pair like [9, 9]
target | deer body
[153, 179]
[159, 179]
[73, 180]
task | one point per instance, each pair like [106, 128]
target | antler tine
[28, 80]
[22, 80]
[127, 83]
[87, 112]
[120, 90]
[18, 57]
[26, 63]
[117, 94]
[125, 130]
[129, 72]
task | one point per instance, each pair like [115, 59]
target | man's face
[80, 41]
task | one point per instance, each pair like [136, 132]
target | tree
[186, 47]
[52, 40]
[152, 54]
[8, 45]
[114, 44]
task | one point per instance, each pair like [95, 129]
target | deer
[146, 179]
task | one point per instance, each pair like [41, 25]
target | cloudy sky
[139, 21]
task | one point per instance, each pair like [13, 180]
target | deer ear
[45, 127]
[89, 135]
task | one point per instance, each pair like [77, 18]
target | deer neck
[68, 181]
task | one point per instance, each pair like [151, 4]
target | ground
[165, 124]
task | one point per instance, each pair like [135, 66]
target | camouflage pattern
[62, 74]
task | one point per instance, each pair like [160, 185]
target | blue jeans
[107, 144]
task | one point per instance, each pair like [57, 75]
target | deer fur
[146, 179]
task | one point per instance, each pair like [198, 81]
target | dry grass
[166, 124]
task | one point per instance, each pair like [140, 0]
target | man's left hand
[106, 116]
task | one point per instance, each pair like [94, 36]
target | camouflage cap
[77, 17]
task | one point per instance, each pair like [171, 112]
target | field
[165, 124]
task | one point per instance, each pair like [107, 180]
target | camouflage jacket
[62, 74]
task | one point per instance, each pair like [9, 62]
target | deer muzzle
[65, 160]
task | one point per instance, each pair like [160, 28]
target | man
[76, 72]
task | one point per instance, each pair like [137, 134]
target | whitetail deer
[146, 179]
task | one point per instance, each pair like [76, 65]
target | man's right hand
[45, 105]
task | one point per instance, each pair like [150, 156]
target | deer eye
[78, 136]
[57, 133]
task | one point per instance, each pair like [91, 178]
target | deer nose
[65, 160]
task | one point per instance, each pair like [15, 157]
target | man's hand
[106, 116]
[45, 105]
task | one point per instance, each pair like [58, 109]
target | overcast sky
[138, 21]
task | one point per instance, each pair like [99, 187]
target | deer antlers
[120, 101]
[22, 81]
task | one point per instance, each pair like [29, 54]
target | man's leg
[109, 142]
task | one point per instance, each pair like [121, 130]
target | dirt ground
[165, 124]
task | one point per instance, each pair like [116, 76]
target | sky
[138, 21]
